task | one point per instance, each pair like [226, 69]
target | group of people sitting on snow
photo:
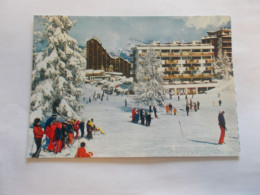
[144, 116]
[60, 135]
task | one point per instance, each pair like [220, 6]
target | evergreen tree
[223, 66]
[149, 88]
[58, 71]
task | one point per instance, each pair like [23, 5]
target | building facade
[221, 40]
[188, 67]
[99, 59]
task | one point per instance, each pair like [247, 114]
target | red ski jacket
[48, 131]
[82, 153]
[38, 132]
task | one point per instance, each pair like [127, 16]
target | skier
[133, 115]
[175, 111]
[76, 128]
[58, 138]
[125, 103]
[187, 109]
[167, 109]
[150, 108]
[198, 105]
[170, 108]
[195, 107]
[89, 99]
[89, 130]
[178, 98]
[70, 132]
[52, 136]
[142, 116]
[82, 151]
[219, 102]
[38, 134]
[148, 119]
[136, 116]
[81, 127]
[47, 136]
[64, 135]
[222, 125]
[155, 112]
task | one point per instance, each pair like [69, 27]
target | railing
[209, 61]
[192, 61]
[210, 68]
[171, 62]
[182, 54]
[188, 76]
[171, 69]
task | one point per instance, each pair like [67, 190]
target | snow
[169, 135]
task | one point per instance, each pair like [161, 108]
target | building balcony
[192, 68]
[192, 61]
[209, 61]
[171, 69]
[171, 62]
[189, 76]
[210, 68]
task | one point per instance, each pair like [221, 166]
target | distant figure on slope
[142, 116]
[219, 102]
[89, 99]
[133, 115]
[155, 112]
[167, 109]
[187, 109]
[191, 104]
[125, 103]
[170, 108]
[198, 105]
[148, 119]
[136, 116]
[150, 108]
[175, 111]
[70, 132]
[222, 125]
[178, 97]
[81, 127]
[81, 153]
[58, 138]
[89, 130]
[38, 134]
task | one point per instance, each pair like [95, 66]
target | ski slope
[169, 135]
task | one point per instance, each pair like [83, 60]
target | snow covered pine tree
[58, 71]
[223, 66]
[149, 88]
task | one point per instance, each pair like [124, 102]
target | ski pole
[181, 129]
[32, 146]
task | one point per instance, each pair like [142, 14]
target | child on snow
[81, 153]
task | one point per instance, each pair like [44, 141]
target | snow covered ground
[169, 135]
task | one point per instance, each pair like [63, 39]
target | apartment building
[99, 59]
[221, 40]
[188, 67]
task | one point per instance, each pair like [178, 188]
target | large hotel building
[221, 40]
[188, 67]
[99, 59]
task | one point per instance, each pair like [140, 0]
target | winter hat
[36, 121]
[82, 144]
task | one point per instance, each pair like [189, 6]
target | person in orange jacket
[81, 153]
[38, 134]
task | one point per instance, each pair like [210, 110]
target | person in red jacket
[76, 128]
[38, 134]
[52, 136]
[81, 153]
